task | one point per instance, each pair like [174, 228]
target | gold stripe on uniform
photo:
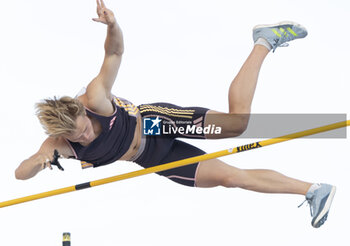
[130, 108]
[168, 114]
[167, 111]
[85, 164]
[166, 108]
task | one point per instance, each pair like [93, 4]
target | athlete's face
[84, 132]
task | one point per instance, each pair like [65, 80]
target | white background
[184, 52]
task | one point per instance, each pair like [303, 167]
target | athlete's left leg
[214, 172]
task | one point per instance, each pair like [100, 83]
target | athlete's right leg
[242, 88]
[240, 97]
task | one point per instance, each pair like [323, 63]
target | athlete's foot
[277, 35]
[320, 197]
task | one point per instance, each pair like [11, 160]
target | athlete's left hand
[105, 15]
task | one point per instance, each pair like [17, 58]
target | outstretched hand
[105, 15]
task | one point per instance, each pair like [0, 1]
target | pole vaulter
[176, 164]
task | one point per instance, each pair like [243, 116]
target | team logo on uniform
[152, 126]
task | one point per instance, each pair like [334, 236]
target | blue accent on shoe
[320, 201]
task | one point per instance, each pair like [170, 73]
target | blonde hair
[58, 116]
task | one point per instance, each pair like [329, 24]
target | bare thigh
[215, 172]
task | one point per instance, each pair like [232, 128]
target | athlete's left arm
[98, 92]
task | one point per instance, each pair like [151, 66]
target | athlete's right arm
[37, 162]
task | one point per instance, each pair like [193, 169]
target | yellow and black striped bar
[179, 163]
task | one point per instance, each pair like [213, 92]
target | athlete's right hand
[31, 166]
[44, 160]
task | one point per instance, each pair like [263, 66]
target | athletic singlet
[115, 138]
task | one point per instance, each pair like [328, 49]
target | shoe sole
[279, 24]
[325, 208]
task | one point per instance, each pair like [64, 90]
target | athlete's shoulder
[97, 104]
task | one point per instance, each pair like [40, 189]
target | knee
[229, 182]
[242, 124]
[235, 180]
[236, 125]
